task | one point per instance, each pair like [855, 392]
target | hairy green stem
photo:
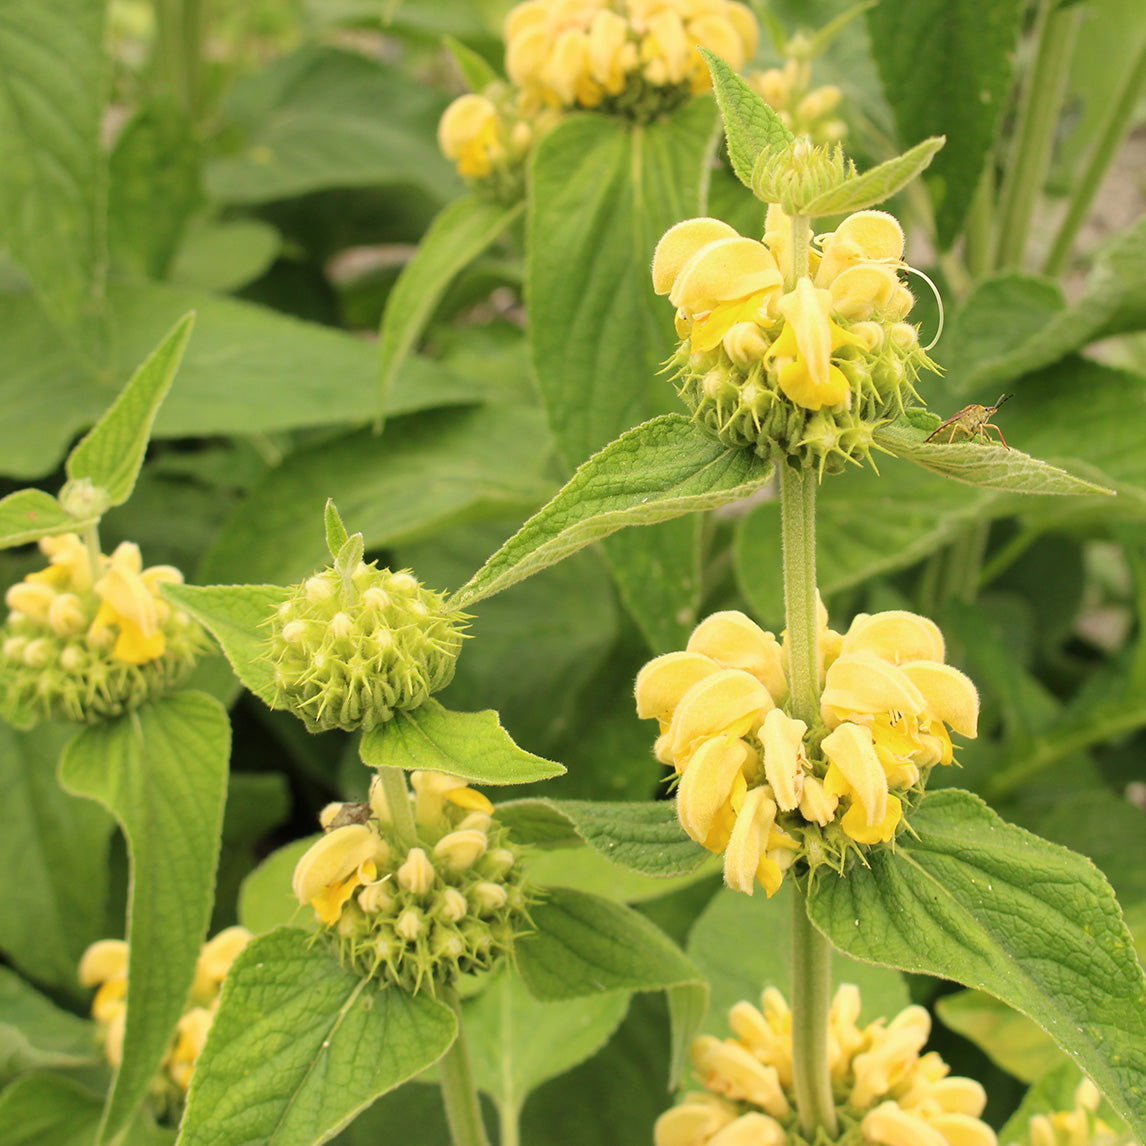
[178, 52]
[95, 556]
[1034, 134]
[980, 221]
[393, 781]
[811, 1001]
[798, 529]
[459, 1094]
[1110, 135]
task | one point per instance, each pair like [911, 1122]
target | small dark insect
[972, 421]
[349, 814]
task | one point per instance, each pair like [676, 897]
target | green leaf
[986, 466]
[516, 1043]
[455, 238]
[29, 514]
[1008, 1039]
[975, 899]
[248, 370]
[659, 470]
[602, 194]
[336, 535]
[161, 770]
[224, 256]
[425, 473]
[584, 945]
[43, 1109]
[742, 944]
[879, 183]
[265, 898]
[946, 68]
[472, 745]
[322, 117]
[1014, 324]
[587, 869]
[235, 616]
[35, 1033]
[111, 453]
[750, 125]
[53, 851]
[53, 181]
[644, 838]
[300, 1045]
[475, 69]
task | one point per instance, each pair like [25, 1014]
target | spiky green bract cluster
[417, 915]
[354, 643]
[740, 401]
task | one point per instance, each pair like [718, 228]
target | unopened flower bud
[459, 850]
[410, 924]
[489, 896]
[452, 905]
[416, 875]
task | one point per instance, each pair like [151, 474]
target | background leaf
[993, 907]
[43, 1108]
[300, 1044]
[472, 745]
[34, 1033]
[54, 849]
[946, 70]
[161, 771]
[53, 182]
[455, 238]
[111, 453]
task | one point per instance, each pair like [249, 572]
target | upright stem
[1110, 135]
[811, 1001]
[393, 781]
[178, 51]
[459, 1095]
[95, 558]
[798, 528]
[1034, 134]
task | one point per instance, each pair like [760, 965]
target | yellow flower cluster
[755, 333]
[880, 1080]
[1080, 1126]
[585, 53]
[788, 91]
[91, 637]
[418, 914]
[757, 784]
[104, 965]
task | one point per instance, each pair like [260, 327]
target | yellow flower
[334, 867]
[104, 965]
[865, 237]
[215, 959]
[899, 1097]
[804, 348]
[432, 790]
[130, 601]
[468, 135]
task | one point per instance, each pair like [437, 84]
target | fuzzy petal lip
[665, 679]
[723, 270]
[895, 636]
[707, 784]
[850, 749]
[730, 702]
[949, 695]
[679, 243]
[783, 740]
[749, 840]
[863, 682]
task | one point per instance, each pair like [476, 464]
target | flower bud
[417, 874]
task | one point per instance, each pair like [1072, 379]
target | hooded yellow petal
[127, 594]
[105, 959]
[784, 759]
[706, 784]
[962, 1130]
[664, 680]
[896, 636]
[887, 1125]
[863, 291]
[864, 683]
[849, 748]
[749, 840]
[332, 858]
[736, 641]
[730, 702]
[724, 270]
[949, 695]
[694, 1121]
[679, 243]
[866, 236]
